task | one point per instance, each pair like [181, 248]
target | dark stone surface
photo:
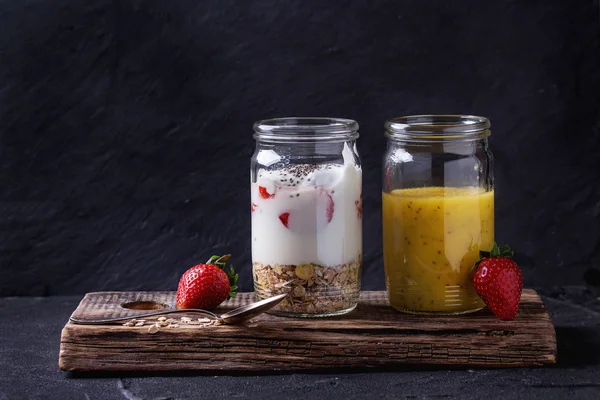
[125, 125]
[29, 342]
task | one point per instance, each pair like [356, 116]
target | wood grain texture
[372, 335]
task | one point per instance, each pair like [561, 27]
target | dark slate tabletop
[30, 334]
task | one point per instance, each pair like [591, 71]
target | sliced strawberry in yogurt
[358, 204]
[329, 207]
[284, 218]
[264, 193]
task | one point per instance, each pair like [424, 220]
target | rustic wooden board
[372, 335]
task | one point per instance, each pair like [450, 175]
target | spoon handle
[81, 321]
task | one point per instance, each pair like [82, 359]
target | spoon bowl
[251, 310]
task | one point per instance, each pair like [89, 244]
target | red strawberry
[284, 218]
[498, 280]
[207, 285]
[264, 193]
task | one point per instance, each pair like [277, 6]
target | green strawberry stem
[496, 252]
[221, 262]
[504, 251]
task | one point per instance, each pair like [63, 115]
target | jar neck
[310, 151]
[429, 129]
[300, 130]
[456, 147]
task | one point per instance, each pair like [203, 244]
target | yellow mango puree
[431, 242]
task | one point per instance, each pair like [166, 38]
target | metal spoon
[230, 318]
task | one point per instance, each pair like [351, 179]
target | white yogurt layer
[308, 214]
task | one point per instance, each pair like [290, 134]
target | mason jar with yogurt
[306, 194]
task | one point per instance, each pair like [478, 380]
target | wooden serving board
[372, 335]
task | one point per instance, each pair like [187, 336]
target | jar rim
[437, 127]
[306, 129]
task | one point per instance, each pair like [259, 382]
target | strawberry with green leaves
[499, 281]
[207, 285]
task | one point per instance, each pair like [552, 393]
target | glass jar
[306, 191]
[438, 211]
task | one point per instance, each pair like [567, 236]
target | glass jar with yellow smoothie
[438, 211]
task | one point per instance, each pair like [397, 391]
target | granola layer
[312, 288]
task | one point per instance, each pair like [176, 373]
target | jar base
[438, 313]
[288, 314]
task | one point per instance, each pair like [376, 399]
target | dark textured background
[126, 126]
